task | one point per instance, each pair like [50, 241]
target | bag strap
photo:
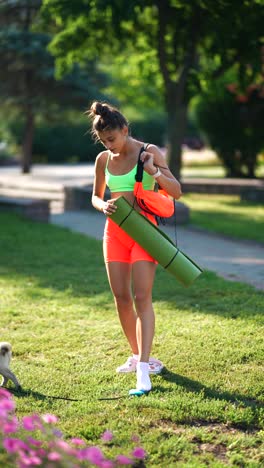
[140, 164]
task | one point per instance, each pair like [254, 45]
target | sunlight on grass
[226, 214]
[205, 163]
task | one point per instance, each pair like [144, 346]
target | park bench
[37, 210]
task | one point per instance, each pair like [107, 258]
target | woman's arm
[99, 183]
[154, 161]
[107, 207]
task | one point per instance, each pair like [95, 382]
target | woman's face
[114, 140]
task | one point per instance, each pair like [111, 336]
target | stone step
[24, 192]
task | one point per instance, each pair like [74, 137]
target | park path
[234, 260]
[237, 261]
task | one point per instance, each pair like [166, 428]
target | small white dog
[5, 359]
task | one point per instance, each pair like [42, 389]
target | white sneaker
[129, 366]
[155, 366]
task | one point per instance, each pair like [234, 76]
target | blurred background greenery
[188, 75]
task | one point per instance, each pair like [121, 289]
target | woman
[129, 267]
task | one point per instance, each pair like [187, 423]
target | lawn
[205, 163]
[206, 408]
[226, 214]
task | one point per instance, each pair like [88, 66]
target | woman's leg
[119, 276]
[143, 274]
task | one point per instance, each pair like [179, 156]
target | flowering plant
[35, 441]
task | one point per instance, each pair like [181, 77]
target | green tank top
[126, 182]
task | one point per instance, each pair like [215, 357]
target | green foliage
[133, 82]
[233, 123]
[27, 72]
[64, 143]
[206, 408]
[72, 142]
[151, 129]
[162, 51]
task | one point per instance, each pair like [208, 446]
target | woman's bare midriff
[129, 196]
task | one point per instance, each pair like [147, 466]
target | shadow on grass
[25, 393]
[197, 387]
[188, 384]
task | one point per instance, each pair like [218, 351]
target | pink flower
[123, 460]
[54, 456]
[49, 418]
[32, 460]
[139, 452]
[31, 423]
[93, 454]
[106, 464]
[7, 405]
[11, 426]
[135, 438]
[41, 452]
[4, 393]
[14, 445]
[107, 436]
[34, 442]
[64, 446]
[77, 441]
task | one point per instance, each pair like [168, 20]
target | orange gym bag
[156, 203]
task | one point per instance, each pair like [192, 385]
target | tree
[193, 41]
[27, 71]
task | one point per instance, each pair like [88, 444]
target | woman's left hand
[148, 160]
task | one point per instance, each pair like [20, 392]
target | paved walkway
[237, 261]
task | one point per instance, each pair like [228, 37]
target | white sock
[135, 356]
[143, 380]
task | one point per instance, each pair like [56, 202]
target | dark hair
[105, 117]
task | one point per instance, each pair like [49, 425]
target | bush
[233, 124]
[64, 143]
[150, 130]
[74, 143]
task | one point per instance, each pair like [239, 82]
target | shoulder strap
[140, 164]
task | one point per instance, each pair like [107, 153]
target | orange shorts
[118, 246]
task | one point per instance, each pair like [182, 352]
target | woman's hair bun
[98, 108]
[105, 117]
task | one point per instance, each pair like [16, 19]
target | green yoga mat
[155, 242]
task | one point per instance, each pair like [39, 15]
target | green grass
[212, 170]
[206, 409]
[201, 165]
[206, 171]
[226, 214]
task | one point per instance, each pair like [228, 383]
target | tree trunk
[177, 123]
[28, 141]
[251, 161]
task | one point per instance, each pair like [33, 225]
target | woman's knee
[142, 298]
[123, 298]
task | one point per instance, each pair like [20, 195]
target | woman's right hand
[109, 207]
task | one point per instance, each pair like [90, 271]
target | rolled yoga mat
[155, 242]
